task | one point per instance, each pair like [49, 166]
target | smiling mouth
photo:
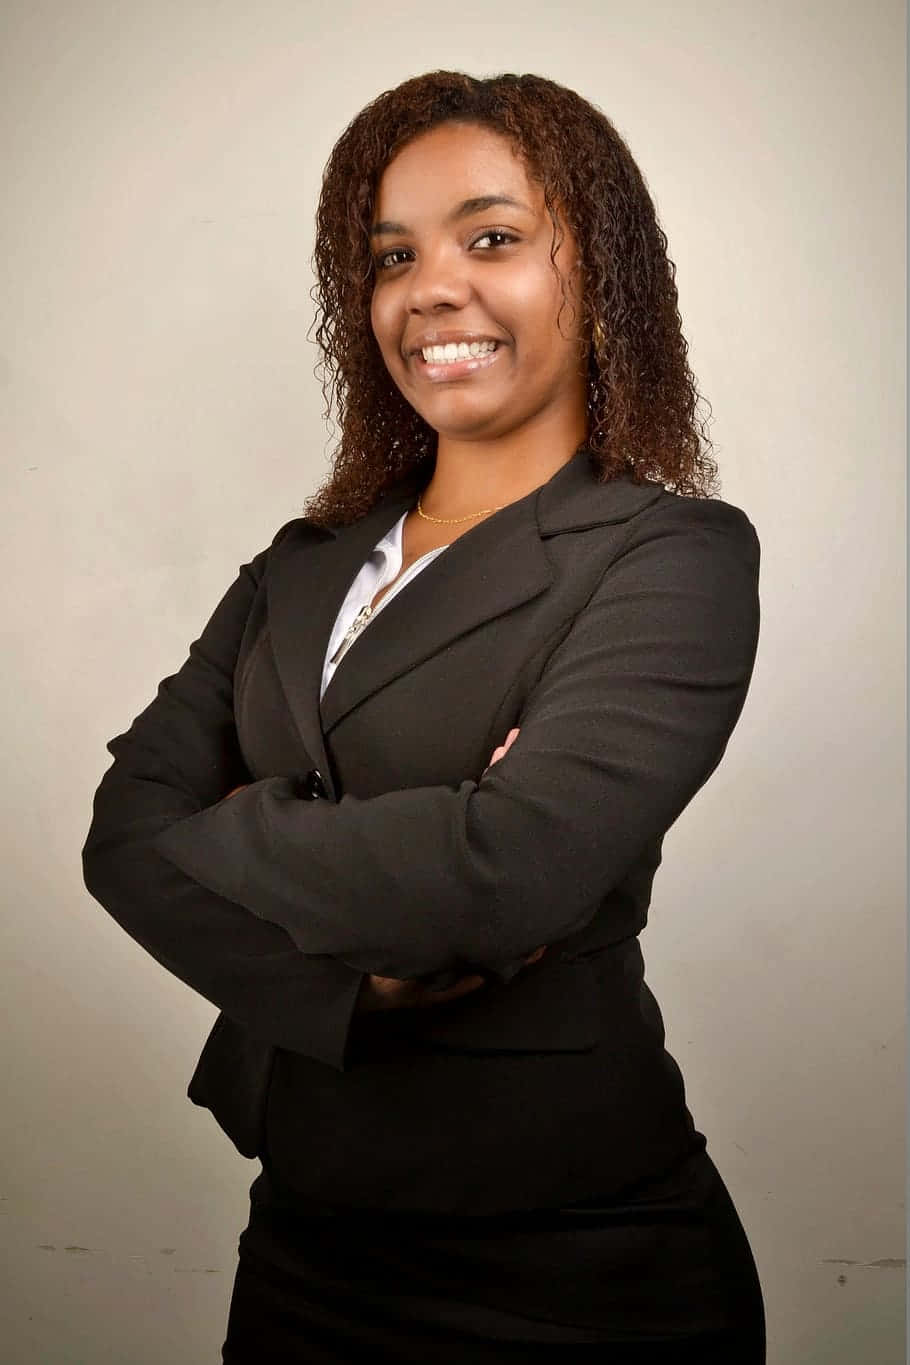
[452, 351]
[437, 364]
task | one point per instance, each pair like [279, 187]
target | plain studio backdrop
[160, 419]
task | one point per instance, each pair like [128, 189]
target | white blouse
[383, 565]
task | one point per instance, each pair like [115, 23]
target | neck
[470, 476]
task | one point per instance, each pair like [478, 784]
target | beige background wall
[160, 419]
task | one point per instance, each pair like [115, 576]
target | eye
[386, 260]
[495, 237]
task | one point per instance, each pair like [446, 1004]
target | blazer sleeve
[178, 757]
[630, 716]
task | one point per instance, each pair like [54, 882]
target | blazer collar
[489, 570]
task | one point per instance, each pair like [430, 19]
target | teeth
[463, 350]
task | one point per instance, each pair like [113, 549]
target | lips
[462, 367]
[448, 354]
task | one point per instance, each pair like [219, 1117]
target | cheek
[534, 299]
[381, 322]
[550, 347]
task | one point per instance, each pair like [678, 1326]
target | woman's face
[461, 245]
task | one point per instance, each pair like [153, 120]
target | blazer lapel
[487, 571]
[307, 582]
[490, 570]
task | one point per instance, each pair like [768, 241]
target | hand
[389, 993]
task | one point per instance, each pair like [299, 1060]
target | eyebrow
[466, 209]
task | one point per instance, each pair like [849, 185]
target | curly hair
[643, 404]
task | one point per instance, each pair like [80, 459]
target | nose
[437, 280]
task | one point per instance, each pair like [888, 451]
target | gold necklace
[449, 521]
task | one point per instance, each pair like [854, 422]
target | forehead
[451, 163]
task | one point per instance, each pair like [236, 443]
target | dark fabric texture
[616, 625]
[664, 1276]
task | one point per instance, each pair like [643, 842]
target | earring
[596, 367]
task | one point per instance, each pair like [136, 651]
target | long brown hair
[643, 404]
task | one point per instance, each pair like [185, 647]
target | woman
[399, 812]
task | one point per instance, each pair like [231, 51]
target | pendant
[354, 630]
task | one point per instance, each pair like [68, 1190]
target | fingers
[503, 748]
[509, 741]
[465, 986]
[390, 993]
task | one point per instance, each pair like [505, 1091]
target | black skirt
[664, 1276]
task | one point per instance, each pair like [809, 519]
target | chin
[480, 429]
[457, 421]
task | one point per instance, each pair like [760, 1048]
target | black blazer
[616, 624]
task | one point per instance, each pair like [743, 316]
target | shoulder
[716, 526]
[289, 534]
[300, 528]
[693, 561]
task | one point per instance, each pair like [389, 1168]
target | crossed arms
[274, 908]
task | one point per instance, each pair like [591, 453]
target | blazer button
[312, 786]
